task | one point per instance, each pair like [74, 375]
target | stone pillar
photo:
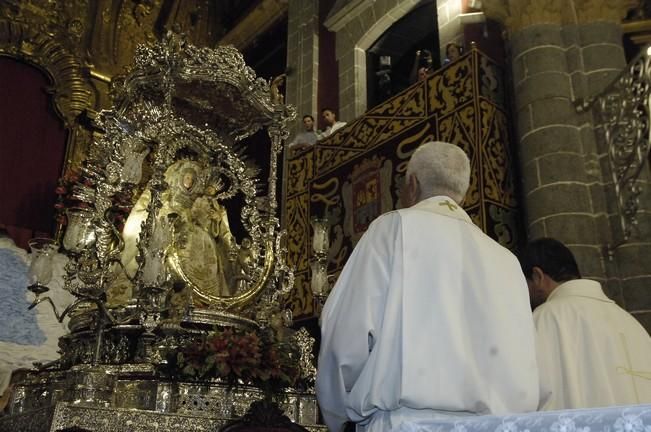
[303, 58]
[567, 51]
[358, 24]
[556, 144]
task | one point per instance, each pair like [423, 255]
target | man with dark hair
[330, 118]
[547, 257]
[591, 352]
[306, 138]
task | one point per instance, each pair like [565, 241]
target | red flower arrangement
[237, 356]
[65, 196]
[122, 202]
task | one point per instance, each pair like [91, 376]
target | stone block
[633, 260]
[603, 56]
[517, 66]
[645, 319]
[600, 32]
[544, 59]
[549, 140]
[559, 167]
[642, 229]
[603, 231]
[613, 289]
[530, 176]
[553, 199]
[598, 199]
[589, 259]
[450, 31]
[573, 229]
[637, 293]
[292, 41]
[544, 85]
[442, 14]
[570, 35]
[346, 76]
[606, 170]
[367, 18]
[347, 62]
[592, 166]
[573, 59]
[343, 45]
[536, 230]
[616, 229]
[356, 28]
[599, 138]
[524, 120]
[598, 81]
[579, 85]
[589, 147]
[553, 111]
[536, 36]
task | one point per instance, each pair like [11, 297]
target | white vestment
[429, 318]
[332, 129]
[591, 352]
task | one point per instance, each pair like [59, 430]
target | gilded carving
[71, 93]
[519, 14]
[451, 87]
[604, 10]
[82, 44]
[366, 195]
[299, 170]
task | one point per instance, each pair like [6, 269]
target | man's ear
[414, 188]
[537, 274]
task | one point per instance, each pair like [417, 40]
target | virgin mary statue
[196, 247]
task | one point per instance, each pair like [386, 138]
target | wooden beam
[255, 23]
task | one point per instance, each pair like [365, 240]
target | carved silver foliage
[623, 110]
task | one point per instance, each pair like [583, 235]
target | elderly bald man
[430, 317]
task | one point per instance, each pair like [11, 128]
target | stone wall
[450, 27]
[357, 25]
[303, 57]
[567, 178]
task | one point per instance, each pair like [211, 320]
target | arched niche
[46, 94]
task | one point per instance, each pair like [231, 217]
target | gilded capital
[603, 10]
[516, 15]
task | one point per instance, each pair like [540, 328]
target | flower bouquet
[236, 356]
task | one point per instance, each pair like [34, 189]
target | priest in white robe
[591, 352]
[430, 317]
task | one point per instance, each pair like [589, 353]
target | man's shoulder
[562, 309]
[384, 219]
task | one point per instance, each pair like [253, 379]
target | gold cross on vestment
[450, 205]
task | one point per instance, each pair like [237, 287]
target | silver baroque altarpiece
[170, 153]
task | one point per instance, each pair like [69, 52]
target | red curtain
[32, 149]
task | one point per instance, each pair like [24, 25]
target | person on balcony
[423, 66]
[452, 53]
[330, 118]
[429, 317]
[591, 352]
[306, 138]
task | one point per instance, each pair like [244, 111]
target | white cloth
[429, 315]
[27, 336]
[591, 352]
[331, 129]
[305, 138]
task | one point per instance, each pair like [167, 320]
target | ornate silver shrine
[168, 162]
